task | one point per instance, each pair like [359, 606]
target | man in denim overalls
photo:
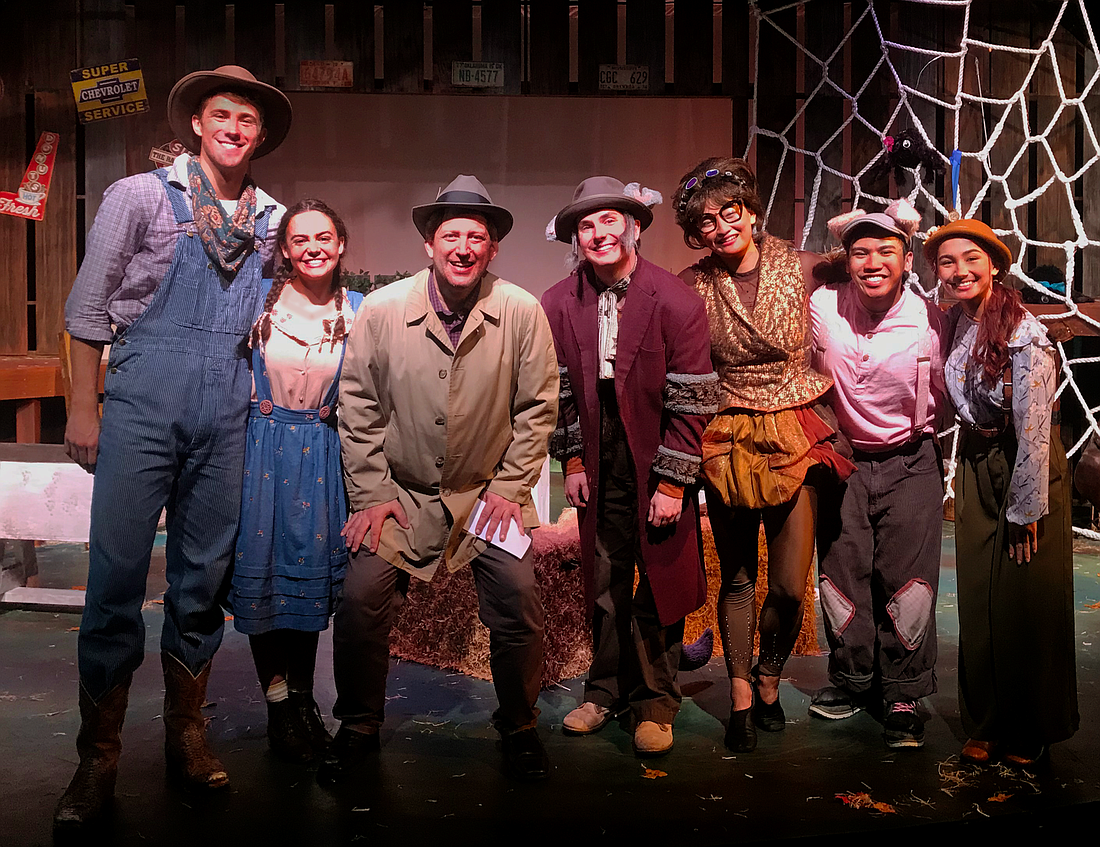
[171, 279]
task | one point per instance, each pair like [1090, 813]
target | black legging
[285, 654]
[789, 531]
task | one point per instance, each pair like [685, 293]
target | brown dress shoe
[99, 745]
[978, 752]
[189, 758]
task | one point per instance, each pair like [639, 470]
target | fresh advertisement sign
[30, 201]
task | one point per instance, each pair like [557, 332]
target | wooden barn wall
[387, 45]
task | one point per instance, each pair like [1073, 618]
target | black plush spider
[906, 151]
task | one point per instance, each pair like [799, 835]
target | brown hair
[1002, 314]
[237, 94]
[261, 330]
[730, 179]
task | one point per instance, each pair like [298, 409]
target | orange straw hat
[974, 230]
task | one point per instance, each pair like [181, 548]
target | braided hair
[261, 330]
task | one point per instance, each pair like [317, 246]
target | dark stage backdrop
[373, 157]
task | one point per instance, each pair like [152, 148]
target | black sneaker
[834, 703]
[903, 726]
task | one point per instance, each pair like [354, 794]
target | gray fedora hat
[464, 194]
[594, 194]
[188, 93]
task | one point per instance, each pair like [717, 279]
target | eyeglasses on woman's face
[730, 213]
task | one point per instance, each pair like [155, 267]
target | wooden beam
[549, 56]
[597, 28]
[500, 40]
[28, 421]
[403, 46]
[452, 41]
[693, 38]
[645, 39]
[13, 162]
[30, 377]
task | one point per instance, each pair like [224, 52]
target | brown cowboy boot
[99, 744]
[189, 759]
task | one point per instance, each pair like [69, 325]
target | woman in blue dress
[290, 559]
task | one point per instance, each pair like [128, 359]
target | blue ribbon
[956, 163]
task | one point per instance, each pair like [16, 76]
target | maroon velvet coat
[663, 333]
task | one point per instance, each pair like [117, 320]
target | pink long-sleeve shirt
[872, 360]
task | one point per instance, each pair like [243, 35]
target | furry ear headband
[899, 218]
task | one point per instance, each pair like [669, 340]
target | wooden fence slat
[549, 47]
[353, 34]
[645, 39]
[452, 40]
[500, 40]
[204, 35]
[150, 41]
[48, 61]
[254, 37]
[736, 82]
[55, 235]
[1051, 218]
[693, 38]
[13, 162]
[305, 28]
[103, 40]
[824, 115]
[875, 103]
[1089, 258]
[597, 30]
[775, 108]
[403, 55]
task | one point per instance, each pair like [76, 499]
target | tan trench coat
[435, 428]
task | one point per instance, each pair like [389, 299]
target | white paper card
[516, 543]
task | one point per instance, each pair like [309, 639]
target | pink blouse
[301, 354]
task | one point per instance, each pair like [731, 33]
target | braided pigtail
[261, 330]
[339, 329]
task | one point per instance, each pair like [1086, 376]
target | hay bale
[438, 624]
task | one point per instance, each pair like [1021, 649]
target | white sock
[277, 692]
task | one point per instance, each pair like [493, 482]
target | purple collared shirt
[453, 322]
[130, 248]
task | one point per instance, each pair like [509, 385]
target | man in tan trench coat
[448, 397]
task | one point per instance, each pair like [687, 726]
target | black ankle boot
[741, 734]
[310, 723]
[285, 734]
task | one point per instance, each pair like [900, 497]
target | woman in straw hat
[1014, 553]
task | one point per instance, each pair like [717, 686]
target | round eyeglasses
[730, 213]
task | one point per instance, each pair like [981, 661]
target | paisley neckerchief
[226, 241]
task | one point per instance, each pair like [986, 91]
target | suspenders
[924, 384]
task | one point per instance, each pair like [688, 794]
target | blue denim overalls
[175, 409]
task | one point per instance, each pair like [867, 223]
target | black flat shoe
[768, 716]
[347, 754]
[524, 756]
[740, 734]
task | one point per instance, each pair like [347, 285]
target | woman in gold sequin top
[771, 434]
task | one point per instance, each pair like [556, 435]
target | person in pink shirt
[884, 346]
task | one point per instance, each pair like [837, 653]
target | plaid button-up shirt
[130, 248]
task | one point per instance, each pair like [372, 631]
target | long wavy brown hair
[261, 330]
[1002, 314]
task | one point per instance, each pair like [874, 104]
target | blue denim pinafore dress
[290, 560]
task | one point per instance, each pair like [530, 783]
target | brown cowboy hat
[977, 232]
[188, 93]
[594, 194]
[464, 194]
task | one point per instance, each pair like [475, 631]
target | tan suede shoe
[652, 739]
[586, 719]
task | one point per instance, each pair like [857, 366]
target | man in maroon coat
[637, 389]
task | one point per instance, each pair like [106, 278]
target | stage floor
[439, 772]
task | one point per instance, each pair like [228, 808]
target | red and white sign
[324, 74]
[30, 201]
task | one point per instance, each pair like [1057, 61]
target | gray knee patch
[838, 609]
[910, 609]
